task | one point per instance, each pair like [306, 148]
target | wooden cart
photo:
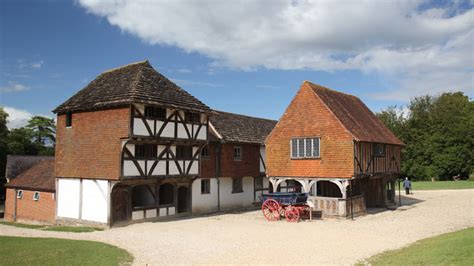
[292, 206]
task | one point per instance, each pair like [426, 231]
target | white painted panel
[168, 132]
[150, 124]
[159, 124]
[202, 203]
[94, 200]
[173, 168]
[151, 213]
[236, 200]
[169, 112]
[68, 198]
[173, 149]
[202, 135]
[129, 169]
[161, 148]
[194, 168]
[131, 148]
[137, 215]
[171, 211]
[160, 168]
[182, 131]
[195, 149]
[162, 212]
[139, 127]
[140, 107]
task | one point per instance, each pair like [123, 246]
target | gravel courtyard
[248, 238]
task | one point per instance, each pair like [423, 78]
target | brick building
[30, 196]
[129, 147]
[329, 144]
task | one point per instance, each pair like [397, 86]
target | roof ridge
[254, 117]
[318, 86]
[124, 66]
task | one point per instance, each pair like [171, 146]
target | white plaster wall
[182, 131]
[168, 131]
[236, 200]
[202, 203]
[194, 170]
[68, 198]
[202, 134]
[129, 169]
[139, 127]
[173, 168]
[160, 168]
[94, 200]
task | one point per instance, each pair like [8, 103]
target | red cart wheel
[270, 209]
[292, 214]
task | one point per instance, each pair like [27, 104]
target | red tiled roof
[355, 116]
[38, 177]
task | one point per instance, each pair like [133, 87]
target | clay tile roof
[134, 83]
[355, 116]
[241, 128]
[38, 177]
[19, 163]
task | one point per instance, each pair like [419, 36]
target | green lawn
[53, 251]
[448, 249]
[74, 229]
[427, 185]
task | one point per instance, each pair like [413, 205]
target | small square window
[19, 194]
[379, 150]
[184, 152]
[68, 119]
[146, 151]
[190, 117]
[36, 196]
[237, 185]
[205, 186]
[237, 153]
[205, 152]
[155, 112]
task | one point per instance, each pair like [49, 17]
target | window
[36, 195]
[237, 153]
[146, 151]
[237, 185]
[190, 117]
[184, 152]
[379, 149]
[305, 148]
[155, 112]
[68, 119]
[19, 194]
[258, 182]
[205, 186]
[205, 152]
[142, 196]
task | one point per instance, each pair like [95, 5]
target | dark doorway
[183, 199]
[120, 204]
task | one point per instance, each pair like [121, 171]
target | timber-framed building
[330, 145]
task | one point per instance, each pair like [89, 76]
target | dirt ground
[247, 238]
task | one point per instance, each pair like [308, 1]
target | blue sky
[235, 58]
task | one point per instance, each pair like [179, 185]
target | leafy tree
[20, 142]
[43, 129]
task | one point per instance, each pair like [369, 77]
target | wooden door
[120, 204]
[183, 199]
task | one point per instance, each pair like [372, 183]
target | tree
[43, 129]
[3, 141]
[20, 142]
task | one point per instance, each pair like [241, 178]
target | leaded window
[305, 148]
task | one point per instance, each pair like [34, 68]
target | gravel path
[247, 238]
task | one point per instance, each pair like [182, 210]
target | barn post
[352, 208]
[399, 194]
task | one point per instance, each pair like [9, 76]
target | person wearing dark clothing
[407, 185]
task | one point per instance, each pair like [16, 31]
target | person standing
[407, 185]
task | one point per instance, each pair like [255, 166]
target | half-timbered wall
[165, 163]
[368, 162]
[172, 126]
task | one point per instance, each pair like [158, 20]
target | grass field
[52, 251]
[448, 249]
[427, 185]
[74, 229]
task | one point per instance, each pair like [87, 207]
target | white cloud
[37, 64]
[17, 117]
[417, 47]
[22, 63]
[13, 87]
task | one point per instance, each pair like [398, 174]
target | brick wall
[42, 210]
[248, 166]
[91, 148]
[307, 116]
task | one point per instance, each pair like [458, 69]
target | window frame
[184, 155]
[68, 119]
[36, 195]
[377, 149]
[155, 112]
[192, 117]
[145, 154]
[298, 154]
[19, 194]
[205, 189]
[238, 148]
[205, 155]
[237, 185]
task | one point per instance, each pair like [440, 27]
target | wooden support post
[352, 209]
[399, 194]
